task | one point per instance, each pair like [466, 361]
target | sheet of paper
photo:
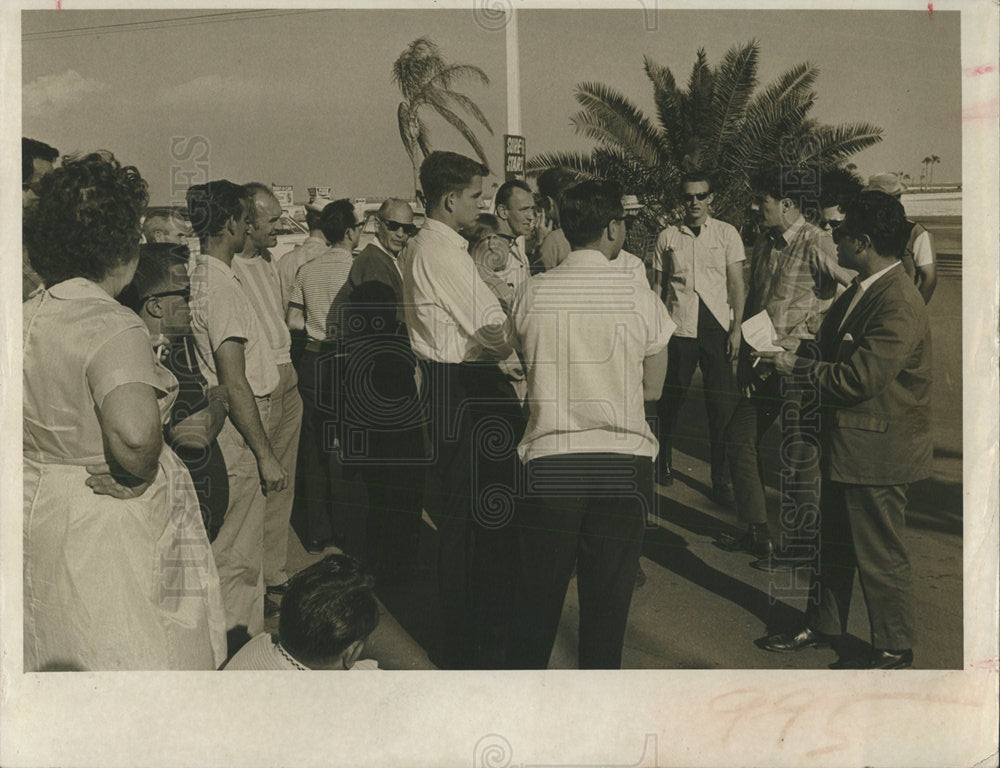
[760, 334]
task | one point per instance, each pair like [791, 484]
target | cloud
[219, 92]
[54, 93]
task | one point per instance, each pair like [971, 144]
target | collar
[445, 231]
[79, 288]
[588, 257]
[704, 225]
[382, 248]
[865, 284]
[289, 658]
[218, 265]
[793, 230]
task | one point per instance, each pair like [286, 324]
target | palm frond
[405, 122]
[733, 88]
[582, 163]
[668, 103]
[835, 143]
[469, 106]
[609, 117]
[456, 122]
[448, 74]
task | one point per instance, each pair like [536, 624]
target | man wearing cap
[919, 259]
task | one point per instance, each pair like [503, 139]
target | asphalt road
[701, 607]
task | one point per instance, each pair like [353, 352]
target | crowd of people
[182, 404]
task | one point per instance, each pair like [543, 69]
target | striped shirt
[259, 276]
[316, 286]
[290, 264]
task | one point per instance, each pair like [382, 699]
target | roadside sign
[513, 157]
[322, 193]
[284, 193]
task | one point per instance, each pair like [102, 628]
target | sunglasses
[695, 196]
[185, 292]
[839, 233]
[394, 226]
[833, 223]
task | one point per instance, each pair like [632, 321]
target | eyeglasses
[695, 196]
[394, 226]
[185, 292]
[832, 223]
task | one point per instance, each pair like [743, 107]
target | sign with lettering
[321, 192]
[284, 193]
[513, 157]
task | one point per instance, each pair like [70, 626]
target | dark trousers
[317, 468]
[798, 456]
[862, 528]
[476, 423]
[708, 350]
[588, 510]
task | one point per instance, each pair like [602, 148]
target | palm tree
[926, 162]
[933, 159]
[425, 79]
[719, 123]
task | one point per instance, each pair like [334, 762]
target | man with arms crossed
[873, 375]
[587, 448]
[231, 350]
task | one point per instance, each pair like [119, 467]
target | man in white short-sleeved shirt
[459, 333]
[594, 341]
[231, 350]
[698, 268]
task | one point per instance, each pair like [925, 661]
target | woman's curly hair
[87, 218]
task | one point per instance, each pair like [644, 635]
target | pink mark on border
[984, 110]
[58, 5]
[930, 8]
[992, 664]
[982, 69]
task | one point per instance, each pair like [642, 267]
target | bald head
[264, 216]
[395, 223]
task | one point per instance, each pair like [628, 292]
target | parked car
[290, 232]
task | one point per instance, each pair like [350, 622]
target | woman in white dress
[118, 571]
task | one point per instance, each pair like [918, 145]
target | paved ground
[701, 607]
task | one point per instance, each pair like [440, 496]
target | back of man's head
[881, 217]
[554, 180]
[327, 607]
[31, 150]
[587, 208]
[162, 266]
[162, 225]
[442, 173]
[837, 185]
[336, 219]
[785, 184]
[212, 204]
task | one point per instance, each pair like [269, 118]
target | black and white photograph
[607, 384]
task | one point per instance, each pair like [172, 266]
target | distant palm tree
[933, 159]
[926, 162]
[718, 123]
[425, 79]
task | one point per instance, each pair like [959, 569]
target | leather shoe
[758, 545]
[722, 494]
[788, 641]
[880, 659]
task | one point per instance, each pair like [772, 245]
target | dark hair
[506, 191]
[486, 224]
[881, 217]
[554, 180]
[786, 183]
[31, 150]
[157, 262]
[693, 177]
[87, 218]
[327, 607]
[837, 185]
[442, 173]
[337, 218]
[314, 218]
[214, 203]
[587, 208]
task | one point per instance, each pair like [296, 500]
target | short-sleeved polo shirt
[697, 266]
[221, 310]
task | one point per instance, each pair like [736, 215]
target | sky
[305, 97]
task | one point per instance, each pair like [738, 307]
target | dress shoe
[788, 641]
[880, 659]
[756, 543]
[664, 475]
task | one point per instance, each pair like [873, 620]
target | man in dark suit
[874, 378]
